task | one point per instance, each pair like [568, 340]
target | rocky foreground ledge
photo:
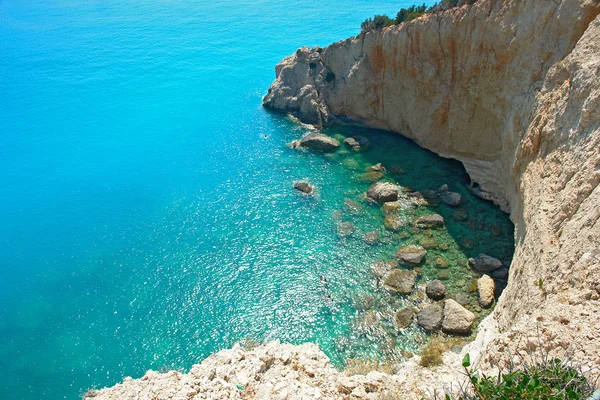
[281, 371]
[512, 89]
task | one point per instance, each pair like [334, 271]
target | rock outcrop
[512, 89]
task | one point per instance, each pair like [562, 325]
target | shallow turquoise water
[146, 221]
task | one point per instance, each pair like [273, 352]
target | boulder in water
[430, 317]
[400, 281]
[430, 221]
[351, 206]
[383, 192]
[380, 268]
[484, 263]
[404, 317]
[376, 168]
[345, 229]
[371, 237]
[410, 254]
[394, 222]
[435, 290]
[451, 198]
[485, 291]
[457, 319]
[357, 143]
[304, 187]
[319, 141]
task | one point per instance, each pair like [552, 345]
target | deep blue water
[145, 220]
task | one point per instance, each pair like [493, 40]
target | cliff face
[511, 89]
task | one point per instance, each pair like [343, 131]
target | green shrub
[410, 13]
[377, 22]
[551, 380]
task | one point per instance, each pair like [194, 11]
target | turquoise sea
[147, 216]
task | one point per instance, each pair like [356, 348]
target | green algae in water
[475, 226]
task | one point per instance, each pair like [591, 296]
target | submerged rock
[460, 215]
[442, 263]
[376, 168]
[383, 192]
[394, 222]
[500, 273]
[400, 281]
[391, 207]
[319, 141]
[435, 290]
[404, 317]
[371, 176]
[485, 263]
[430, 317]
[485, 291]
[457, 319]
[430, 221]
[357, 143]
[345, 229]
[410, 254]
[395, 169]
[429, 242]
[351, 206]
[380, 268]
[304, 187]
[371, 237]
[451, 198]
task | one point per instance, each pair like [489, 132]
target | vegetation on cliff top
[543, 379]
[410, 13]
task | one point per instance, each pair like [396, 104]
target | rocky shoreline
[512, 90]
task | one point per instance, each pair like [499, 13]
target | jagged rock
[457, 319]
[345, 229]
[383, 192]
[304, 187]
[485, 291]
[443, 188]
[400, 281]
[430, 221]
[410, 254]
[371, 237]
[485, 263]
[430, 317]
[404, 317]
[435, 290]
[380, 268]
[319, 141]
[451, 198]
